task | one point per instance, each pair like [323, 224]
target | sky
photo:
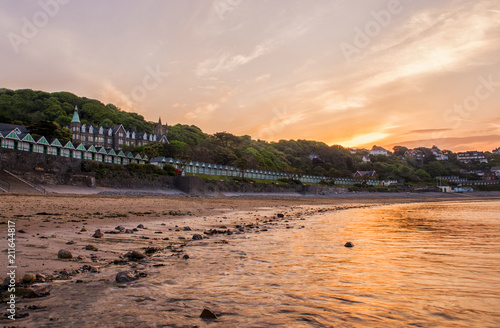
[354, 73]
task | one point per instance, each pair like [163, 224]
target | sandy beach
[161, 231]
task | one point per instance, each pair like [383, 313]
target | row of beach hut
[23, 141]
[18, 140]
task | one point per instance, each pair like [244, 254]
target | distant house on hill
[496, 171]
[438, 154]
[472, 156]
[378, 151]
[496, 151]
[360, 174]
[415, 153]
[115, 137]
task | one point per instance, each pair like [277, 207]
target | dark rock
[280, 215]
[208, 314]
[129, 231]
[71, 242]
[349, 244]
[126, 276]
[135, 255]
[83, 229]
[140, 226]
[64, 254]
[187, 229]
[79, 281]
[22, 231]
[90, 248]
[185, 257]
[197, 237]
[152, 250]
[98, 234]
[120, 228]
[135, 229]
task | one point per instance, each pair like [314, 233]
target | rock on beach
[64, 254]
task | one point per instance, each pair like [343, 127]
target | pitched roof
[9, 127]
[76, 117]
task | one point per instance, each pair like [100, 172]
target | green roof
[145, 157]
[56, 143]
[111, 152]
[81, 147]
[130, 155]
[121, 153]
[76, 117]
[69, 145]
[102, 151]
[92, 149]
[138, 156]
[28, 138]
[12, 135]
[42, 141]
[1, 135]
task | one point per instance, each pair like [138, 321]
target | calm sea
[416, 265]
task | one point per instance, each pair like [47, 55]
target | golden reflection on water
[421, 265]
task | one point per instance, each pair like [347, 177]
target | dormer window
[101, 130]
[145, 136]
[91, 129]
[84, 128]
[110, 132]
[128, 135]
[133, 135]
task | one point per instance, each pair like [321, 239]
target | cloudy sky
[354, 73]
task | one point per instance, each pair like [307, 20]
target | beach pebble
[185, 257]
[90, 248]
[349, 244]
[64, 254]
[135, 255]
[140, 226]
[197, 237]
[208, 314]
[83, 229]
[120, 228]
[280, 215]
[40, 277]
[98, 234]
[129, 231]
[29, 278]
[71, 242]
[187, 229]
[126, 276]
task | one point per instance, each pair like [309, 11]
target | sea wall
[45, 169]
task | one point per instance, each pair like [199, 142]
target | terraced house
[115, 137]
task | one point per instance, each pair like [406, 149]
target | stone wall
[45, 169]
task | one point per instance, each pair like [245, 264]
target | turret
[76, 125]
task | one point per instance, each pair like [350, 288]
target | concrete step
[12, 183]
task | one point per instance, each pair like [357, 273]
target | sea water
[412, 265]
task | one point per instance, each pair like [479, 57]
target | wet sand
[46, 224]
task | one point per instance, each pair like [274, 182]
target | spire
[159, 121]
[76, 117]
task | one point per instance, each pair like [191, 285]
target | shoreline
[45, 224]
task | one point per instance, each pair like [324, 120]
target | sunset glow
[389, 72]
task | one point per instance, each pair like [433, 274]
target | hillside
[296, 157]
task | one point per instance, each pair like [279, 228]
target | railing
[32, 185]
